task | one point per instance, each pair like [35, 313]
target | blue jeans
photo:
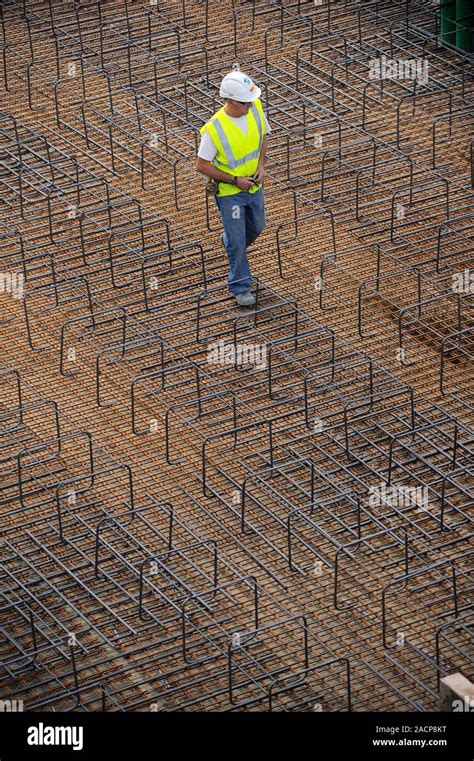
[243, 217]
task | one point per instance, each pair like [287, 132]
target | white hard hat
[238, 86]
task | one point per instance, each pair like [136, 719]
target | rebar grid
[308, 451]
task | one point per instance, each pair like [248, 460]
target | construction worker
[232, 154]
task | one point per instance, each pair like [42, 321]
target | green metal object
[464, 25]
[447, 10]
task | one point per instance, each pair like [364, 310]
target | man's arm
[260, 173]
[209, 170]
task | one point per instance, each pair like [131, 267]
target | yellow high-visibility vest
[237, 154]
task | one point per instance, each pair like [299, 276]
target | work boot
[245, 299]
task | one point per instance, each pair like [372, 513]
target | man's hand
[244, 183]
